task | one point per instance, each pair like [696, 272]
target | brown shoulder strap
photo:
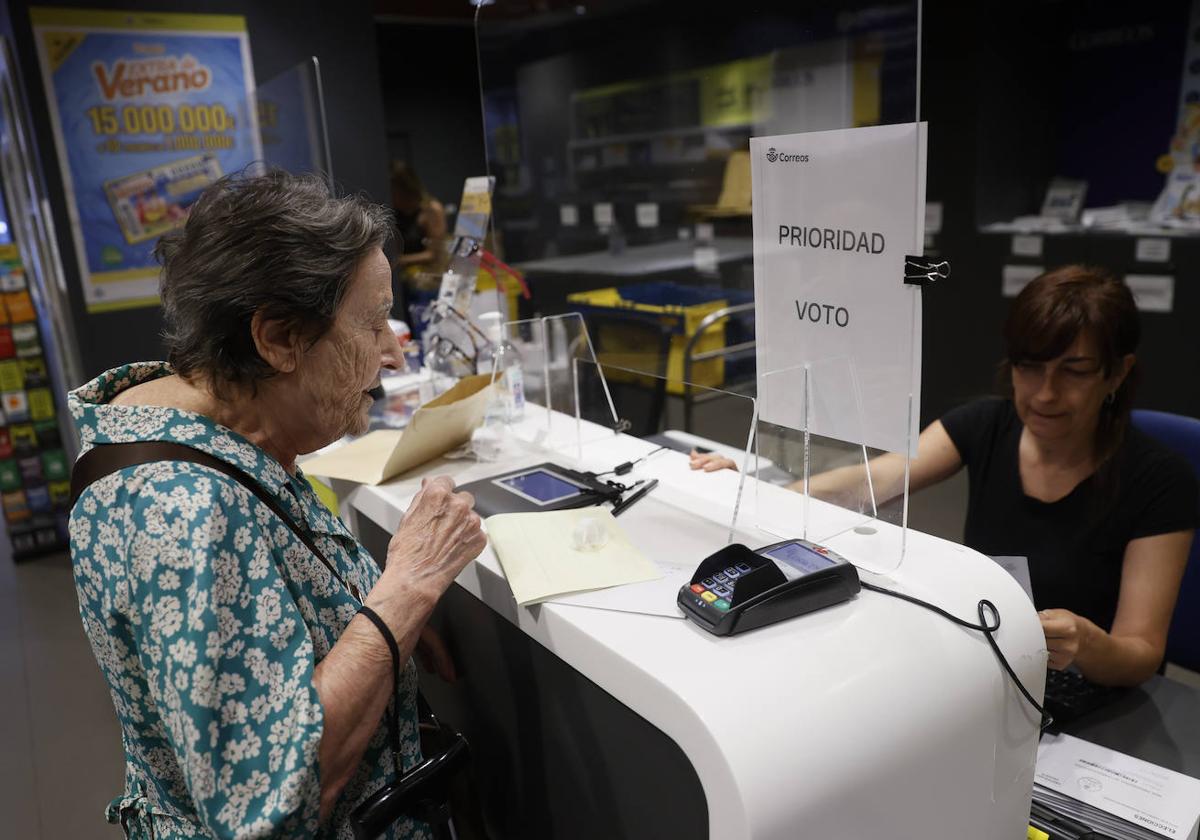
[107, 458]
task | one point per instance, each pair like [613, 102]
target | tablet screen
[540, 486]
[799, 558]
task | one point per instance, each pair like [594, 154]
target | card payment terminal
[737, 589]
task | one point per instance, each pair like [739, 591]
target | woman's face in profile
[345, 363]
[1062, 398]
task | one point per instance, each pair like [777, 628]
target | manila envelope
[435, 428]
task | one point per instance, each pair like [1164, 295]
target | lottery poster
[148, 109]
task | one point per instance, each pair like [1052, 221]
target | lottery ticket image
[150, 203]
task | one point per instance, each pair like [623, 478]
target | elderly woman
[1103, 513]
[252, 685]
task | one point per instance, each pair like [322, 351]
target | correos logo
[785, 157]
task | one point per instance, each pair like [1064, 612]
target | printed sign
[1178, 205]
[475, 207]
[1152, 292]
[1027, 245]
[1014, 278]
[1153, 250]
[1064, 200]
[602, 214]
[933, 217]
[647, 214]
[835, 214]
[147, 110]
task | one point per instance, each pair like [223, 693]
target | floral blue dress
[208, 616]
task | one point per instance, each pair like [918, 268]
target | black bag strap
[107, 458]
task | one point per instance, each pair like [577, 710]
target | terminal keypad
[717, 591]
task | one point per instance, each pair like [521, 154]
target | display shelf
[35, 485]
[639, 136]
[1098, 233]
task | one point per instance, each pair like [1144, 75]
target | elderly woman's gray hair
[280, 243]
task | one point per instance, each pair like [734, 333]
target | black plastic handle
[421, 793]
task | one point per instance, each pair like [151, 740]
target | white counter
[871, 719]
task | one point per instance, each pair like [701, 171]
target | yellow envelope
[435, 428]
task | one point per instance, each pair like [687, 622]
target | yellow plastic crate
[627, 350]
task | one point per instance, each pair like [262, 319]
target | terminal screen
[541, 486]
[799, 558]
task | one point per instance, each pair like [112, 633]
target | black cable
[623, 469]
[983, 627]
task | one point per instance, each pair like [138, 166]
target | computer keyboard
[1069, 696]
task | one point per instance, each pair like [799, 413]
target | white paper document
[1095, 785]
[674, 552]
[1018, 567]
[540, 560]
[835, 215]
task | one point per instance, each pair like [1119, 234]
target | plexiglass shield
[728, 202]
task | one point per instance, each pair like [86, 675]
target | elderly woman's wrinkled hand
[440, 534]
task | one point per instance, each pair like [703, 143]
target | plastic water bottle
[509, 375]
[515, 374]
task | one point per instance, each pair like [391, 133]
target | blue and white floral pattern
[208, 615]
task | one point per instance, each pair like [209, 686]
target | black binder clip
[920, 271]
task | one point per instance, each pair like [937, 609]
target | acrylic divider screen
[620, 135]
[534, 371]
[682, 515]
[573, 394]
[717, 505]
[845, 495]
[291, 120]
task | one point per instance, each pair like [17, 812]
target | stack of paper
[1113, 793]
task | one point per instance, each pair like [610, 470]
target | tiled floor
[60, 747]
